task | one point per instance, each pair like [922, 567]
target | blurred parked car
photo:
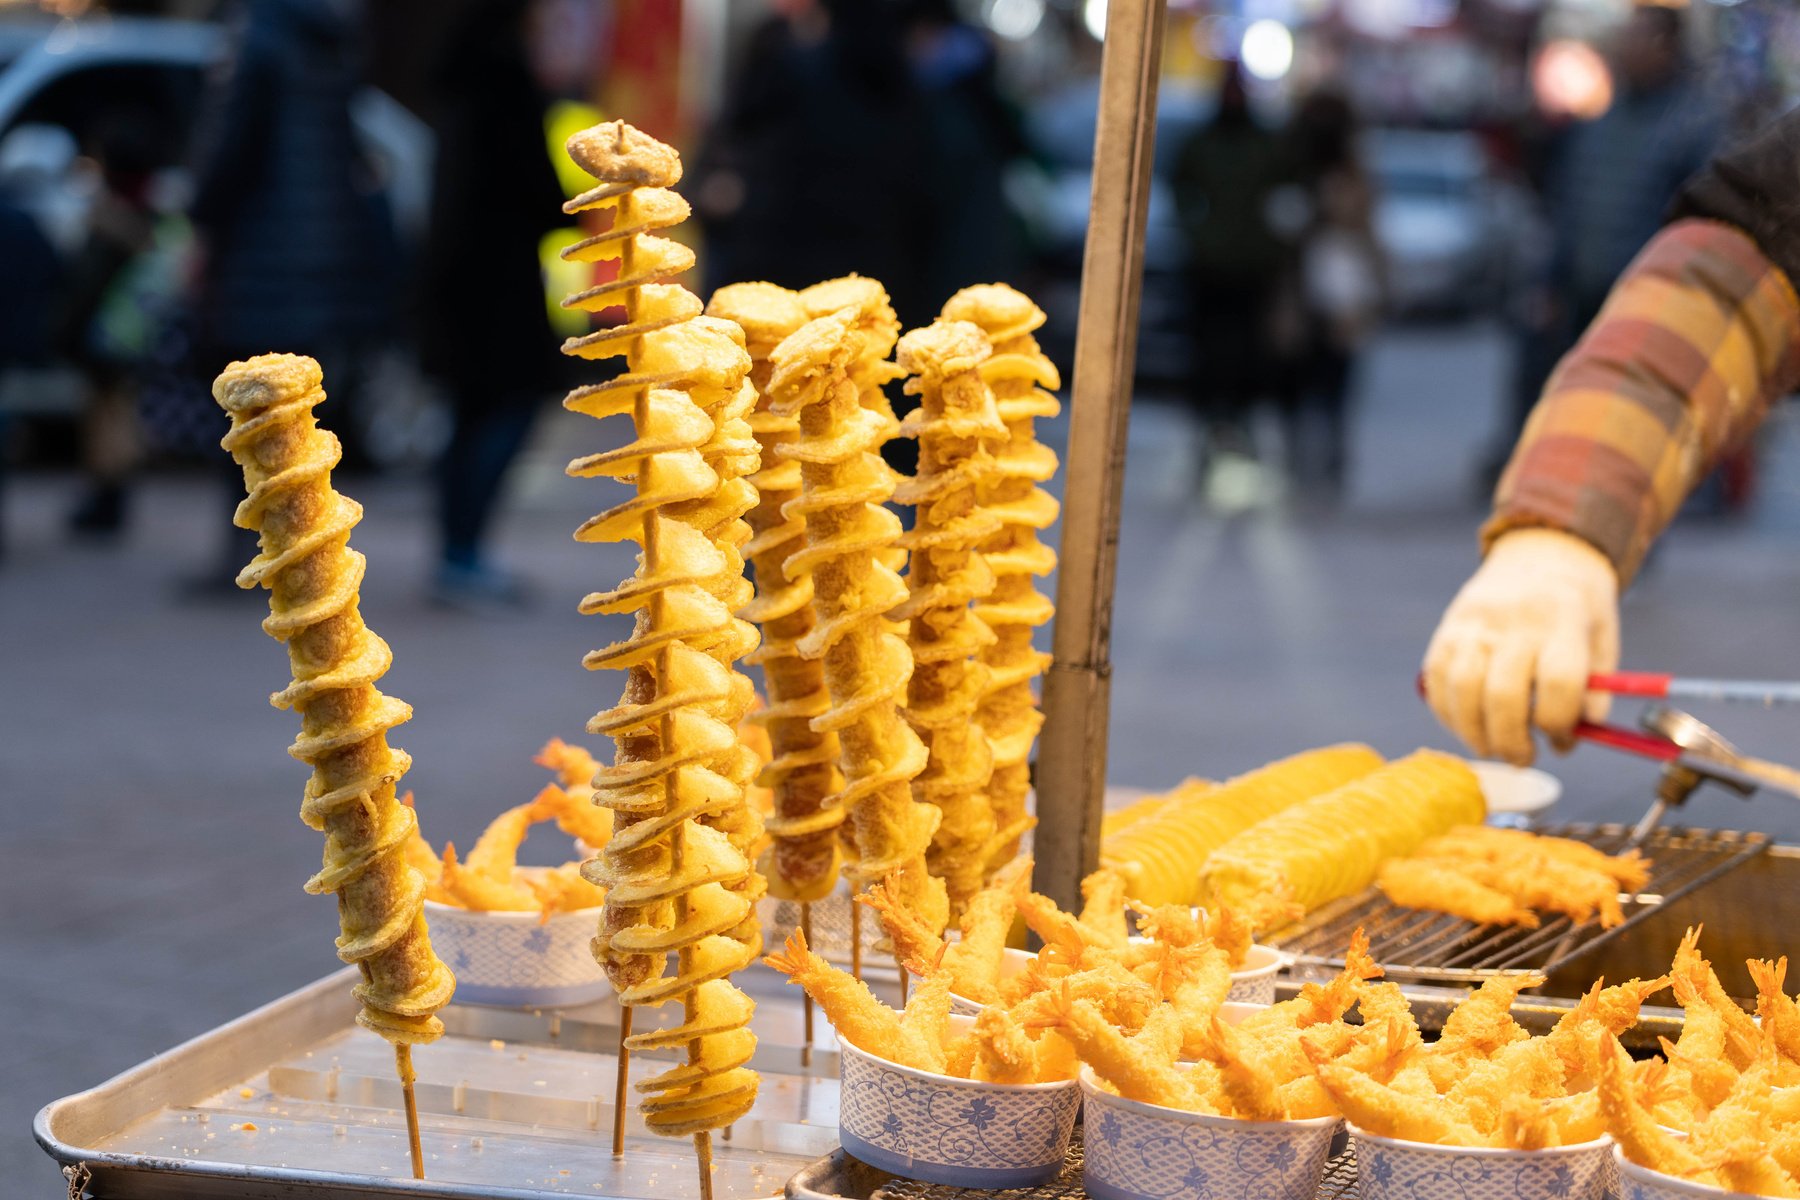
[58, 78]
[1448, 227]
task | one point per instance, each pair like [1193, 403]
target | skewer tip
[403, 1064]
[703, 1151]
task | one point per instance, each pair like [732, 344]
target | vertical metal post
[1071, 767]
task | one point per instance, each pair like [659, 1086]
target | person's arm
[1695, 342]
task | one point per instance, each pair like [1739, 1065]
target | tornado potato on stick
[677, 875]
[802, 860]
[314, 580]
[956, 424]
[1022, 379]
[844, 483]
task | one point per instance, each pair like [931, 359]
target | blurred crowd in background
[378, 186]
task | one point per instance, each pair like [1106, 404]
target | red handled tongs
[1651, 685]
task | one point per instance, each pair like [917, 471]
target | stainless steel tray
[294, 1100]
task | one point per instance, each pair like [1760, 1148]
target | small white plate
[1517, 791]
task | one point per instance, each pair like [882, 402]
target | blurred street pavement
[151, 870]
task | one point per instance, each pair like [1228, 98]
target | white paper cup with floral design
[1395, 1169]
[1643, 1183]
[518, 959]
[940, 1129]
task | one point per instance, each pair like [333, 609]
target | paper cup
[517, 959]
[1254, 982]
[1136, 1151]
[940, 1129]
[1394, 1169]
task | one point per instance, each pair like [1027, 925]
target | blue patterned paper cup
[517, 959]
[1395, 1169]
[940, 1129]
[1642, 1183]
[1137, 1151]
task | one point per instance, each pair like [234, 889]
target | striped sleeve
[1699, 336]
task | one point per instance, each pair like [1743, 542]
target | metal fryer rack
[1419, 946]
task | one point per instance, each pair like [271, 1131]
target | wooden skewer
[621, 1081]
[855, 938]
[806, 1001]
[404, 1065]
[902, 966]
[703, 1151]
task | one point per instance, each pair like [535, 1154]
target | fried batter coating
[852, 1008]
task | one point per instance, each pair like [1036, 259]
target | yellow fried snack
[957, 425]
[844, 483]
[1119, 820]
[1161, 856]
[314, 579]
[680, 889]
[1443, 886]
[1505, 876]
[1333, 844]
[576, 813]
[802, 860]
[877, 329]
[1023, 380]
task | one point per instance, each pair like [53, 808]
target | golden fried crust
[615, 152]
[679, 913]
[313, 579]
[844, 484]
[857, 292]
[958, 425]
[766, 312]
[1002, 312]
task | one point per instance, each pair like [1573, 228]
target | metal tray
[295, 1101]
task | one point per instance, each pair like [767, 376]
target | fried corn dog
[1022, 379]
[801, 862]
[867, 667]
[677, 875]
[957, 425]
[313, 579]
[1161, 855]
[1333, 844]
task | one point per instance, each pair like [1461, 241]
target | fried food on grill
[1161, 855]
[1333, 844]
[314, 581]
[958, 428]
[1507, 876]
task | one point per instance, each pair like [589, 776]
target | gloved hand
[1517, 644]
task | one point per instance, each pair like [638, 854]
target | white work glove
[1517, 644]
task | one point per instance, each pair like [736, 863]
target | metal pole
[1071, 768]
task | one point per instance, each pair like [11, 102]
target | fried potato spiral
[1023, 380]
[314, 579]
[844, 483]
[801, 862]
[678, 878]
[957, 425]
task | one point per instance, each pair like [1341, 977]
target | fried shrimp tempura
[1640, 1138]
[1390, 1113]
[1697, 985]
[851, 1007]
[1780, 1014]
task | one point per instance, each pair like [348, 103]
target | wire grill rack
[1338, 1183]
[1417, 946]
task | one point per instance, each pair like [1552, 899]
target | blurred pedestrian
[298, 251]
[1609, 184]
[815, 167]
[487, 334]
[1226, 175]
[1341, 290]
[32, 270]
[99, 323]
[971, 136]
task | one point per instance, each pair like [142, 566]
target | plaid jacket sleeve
[1699, 336]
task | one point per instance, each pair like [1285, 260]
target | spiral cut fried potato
[1161, 855]
[956, 424]
[802, 860]
[867, 667]
[678, 877]
[1333, 844]
[1023, 380]
[313, 579]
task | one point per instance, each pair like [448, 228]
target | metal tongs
[1693, 753]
